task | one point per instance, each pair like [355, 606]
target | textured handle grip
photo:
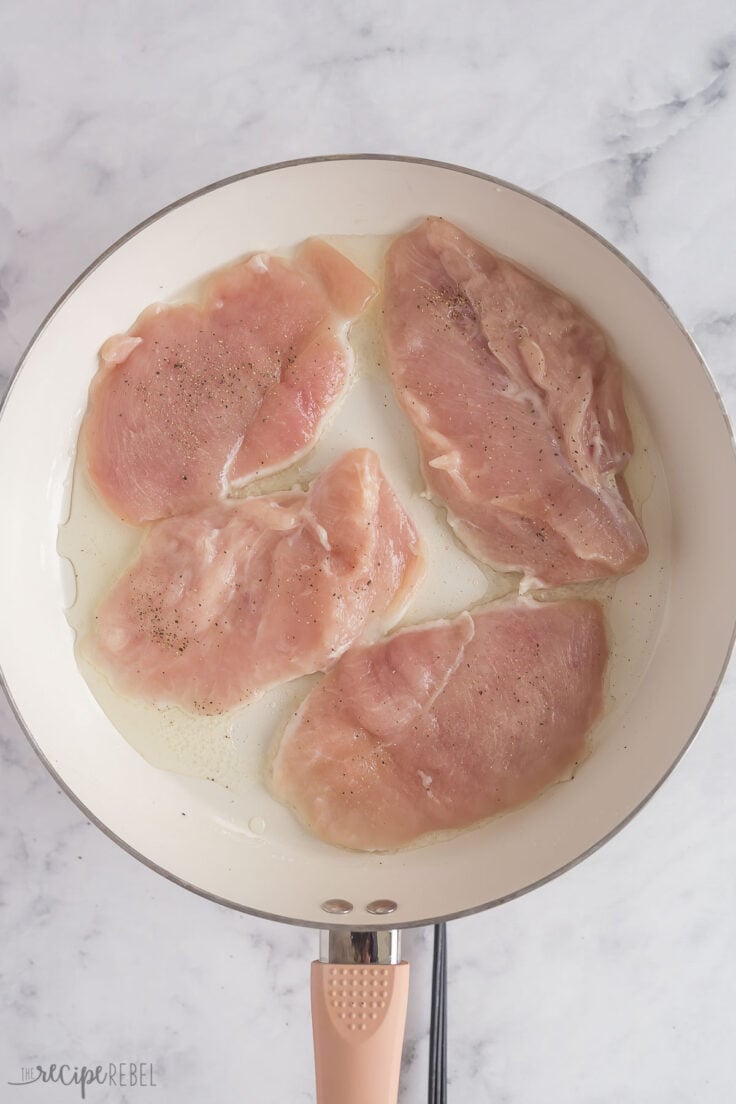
[358, 1018]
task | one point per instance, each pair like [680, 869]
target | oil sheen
[233, 750]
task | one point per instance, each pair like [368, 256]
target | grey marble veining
[613, 984]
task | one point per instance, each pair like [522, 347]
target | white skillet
[215, 855]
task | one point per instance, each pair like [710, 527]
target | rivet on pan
[336, 907]
[381, 908]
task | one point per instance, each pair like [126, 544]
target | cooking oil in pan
[234, 750]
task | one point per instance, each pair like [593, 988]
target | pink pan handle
[358, 1018]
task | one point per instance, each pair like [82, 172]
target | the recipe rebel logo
[124, 1075]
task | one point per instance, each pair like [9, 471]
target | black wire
[437, 1087]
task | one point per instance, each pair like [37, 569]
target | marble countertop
[614, 983]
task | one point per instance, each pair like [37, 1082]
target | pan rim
[405, 159]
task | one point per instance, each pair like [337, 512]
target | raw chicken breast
[225, 602]
[445, 724]
[198, 398]
[517, 406]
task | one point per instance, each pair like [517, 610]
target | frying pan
[363, 899]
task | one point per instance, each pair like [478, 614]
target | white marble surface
[613, 985]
